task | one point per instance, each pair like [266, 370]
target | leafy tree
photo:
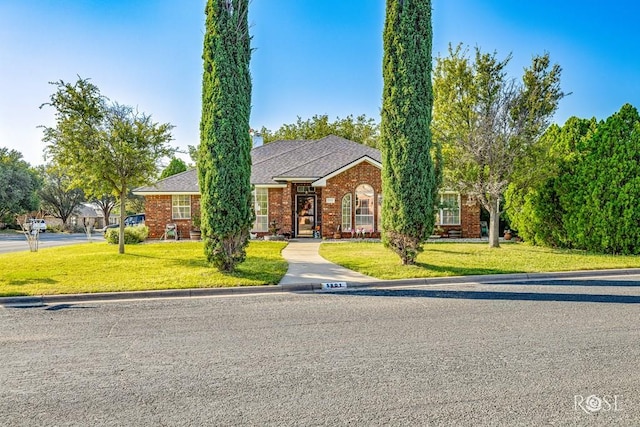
[192, 150]
[135, 204]
[175, 166]
[19, 185]
[601, 196]
[104, 146]
[59, 198]
[533, 206]
[224, 157]
[359, 129]
[409, 179]
[489, 125]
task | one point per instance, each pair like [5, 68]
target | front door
[305, 215]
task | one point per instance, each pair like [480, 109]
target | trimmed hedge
[132, 235]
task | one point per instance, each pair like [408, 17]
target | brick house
[308, 188]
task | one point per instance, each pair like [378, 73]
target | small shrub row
[10, 226]
[132, 235]
[54, 228]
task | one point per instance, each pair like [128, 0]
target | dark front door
[305, 215]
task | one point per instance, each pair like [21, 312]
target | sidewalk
[307, 270]
[307, 266]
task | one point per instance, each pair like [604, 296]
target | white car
[37, 224]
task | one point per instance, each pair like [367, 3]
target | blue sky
[311, 57]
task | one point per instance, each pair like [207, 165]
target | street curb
[304, 287]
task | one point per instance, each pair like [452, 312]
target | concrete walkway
[307, 266]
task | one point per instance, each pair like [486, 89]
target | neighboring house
[305, 187]
[114, 218]
[87, 213]
[84, 213]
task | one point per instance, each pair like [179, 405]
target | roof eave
[270, 185]
[164, 193]
[196, 193]
[295, 179]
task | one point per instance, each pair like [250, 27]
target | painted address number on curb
[334, 286]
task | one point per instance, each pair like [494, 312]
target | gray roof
[285, 160]
[88, 210]
[183, 182]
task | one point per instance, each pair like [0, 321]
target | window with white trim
[346, 212]
[261, 208]
[180, 206]
[449, 211]
[365, 206]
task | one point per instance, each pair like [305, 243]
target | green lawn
[97, 267]
[463, 259]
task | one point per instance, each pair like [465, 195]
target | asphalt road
[16, 242]
[544, 353]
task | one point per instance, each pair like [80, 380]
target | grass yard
[464, 259]
[97, 267]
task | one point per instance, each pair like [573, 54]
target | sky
[310, 57]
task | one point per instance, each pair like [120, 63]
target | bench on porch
[455, 234]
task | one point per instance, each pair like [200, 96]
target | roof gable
[322, 182]
[309, 160]
[277, 162]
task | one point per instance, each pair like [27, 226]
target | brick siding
[158, 215]
[469, 219]
[329, 215]
[346, 182]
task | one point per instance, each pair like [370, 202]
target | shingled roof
[280, 161]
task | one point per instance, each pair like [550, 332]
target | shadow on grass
[428, 249]
[267, 275]
[24, 282]
[495, 295]
[259, 269]
[464, 271]
[165, 256]
[181, 262]
[191, 262]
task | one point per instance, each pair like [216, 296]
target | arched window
[365, 206]
[346, 212]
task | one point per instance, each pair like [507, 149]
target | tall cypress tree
[408, 177]
[224, 158]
